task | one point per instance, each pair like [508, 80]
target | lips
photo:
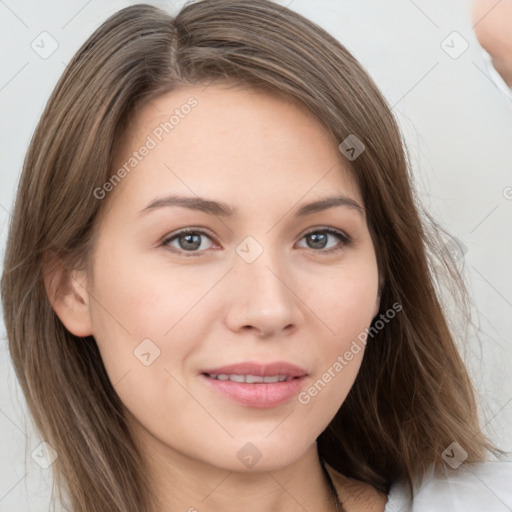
[256, 385]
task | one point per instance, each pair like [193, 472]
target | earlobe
[67, 293]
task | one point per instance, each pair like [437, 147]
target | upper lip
[258, 369]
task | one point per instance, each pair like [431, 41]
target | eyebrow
[221, 209]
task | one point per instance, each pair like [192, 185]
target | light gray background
[457, 124]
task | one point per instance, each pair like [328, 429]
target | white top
[484, 487]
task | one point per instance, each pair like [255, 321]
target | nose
[264, 298]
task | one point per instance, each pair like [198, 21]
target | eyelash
[345, 240]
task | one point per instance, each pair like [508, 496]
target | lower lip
[260, 395]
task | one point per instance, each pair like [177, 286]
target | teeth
[250, 379]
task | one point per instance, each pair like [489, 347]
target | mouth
[256, 385]
[251, 379]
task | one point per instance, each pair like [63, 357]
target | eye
[323, 239]
[188, 240]
[195, 241]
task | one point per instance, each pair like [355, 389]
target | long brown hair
[412, 397]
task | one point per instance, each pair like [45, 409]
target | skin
[492, 20]
[266, 157]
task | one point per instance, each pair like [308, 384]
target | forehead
[234, 142]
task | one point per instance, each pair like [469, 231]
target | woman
[216, 286]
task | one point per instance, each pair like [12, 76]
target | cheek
[345, 304]
[346, 301]
[135, 302]
[147, 297]
[142, 326]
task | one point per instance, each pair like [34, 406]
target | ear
[68, 295]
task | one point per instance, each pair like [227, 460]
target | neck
[191, 485]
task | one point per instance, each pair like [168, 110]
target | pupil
[318, 240]
[191, 241]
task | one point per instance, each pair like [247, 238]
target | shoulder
[469, 488]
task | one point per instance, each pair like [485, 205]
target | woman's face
[281, 286]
